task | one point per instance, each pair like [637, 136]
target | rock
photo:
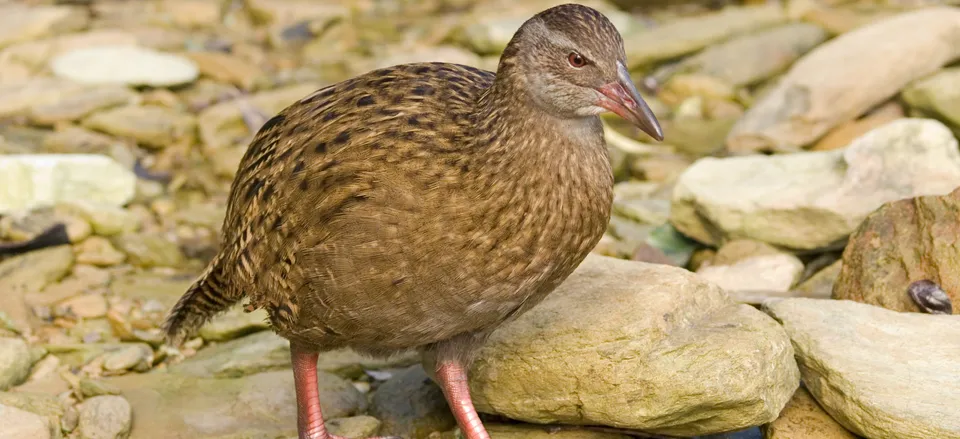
[677, 356]
[24, 227]
[687, 35]
[18, 97]
[488, 29]
[840, 80]
[820, 285]
[99, 251]
[90, 388]
[136, 356]
[879, 373]
[234, 323]
[88, 306]
[354, 426]
[764, 271]
[192, 13]
[15, 362]
[129, 65]
[814, 200]
[32, 181]
[447, 54]
[243, 356]
[803, 418]
[30, 273]
[847, 132]
[149, 250]
[78, 105]
[161, 288]
[153, 126]
[937, 94]
[520, 431]
[262, 405]
[105, 417]
[220, 125]
[754, 57]
[410, 405]
[290, 11]
[229, 68]
[106, 219]
[18, 424]
[901, 242]
[28, 22]
[71, 139]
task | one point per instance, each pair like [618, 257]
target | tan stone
[847, 132]
[803, 418]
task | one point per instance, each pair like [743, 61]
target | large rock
[169, 406]
[520, 431]
[19, 424]
[105, 417]
[880, 373]
[637, 346]
[30, 181]
[900, 243]
[842, 79]
[814, 200]
[152, 126]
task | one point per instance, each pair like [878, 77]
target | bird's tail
[206, 298]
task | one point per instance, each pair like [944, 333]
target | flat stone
[31, 181]
[99, 251]
[137, 356]
[106, 219]
[763, 272]
[153, 126]
[18, 97]
[30, 273]
[228, 68]
[220, 125]
[78, 105]
[15, 362]
[354, 426]
[879, 373]
[234, 323]
[687, 35]
[521, 431]
[19, 424]
[814, 200]
[88, 306]
[261, 405]
[149, 250]
[938, 94]
[846, 132]
[411, 405]
[20, 22]
[105, 417]
[130, 65]
[255, 353]
[640, 346]
[843, 78]
[902, 242]
[754, 57]
[803, 418]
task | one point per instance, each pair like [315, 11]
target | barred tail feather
[203, 300]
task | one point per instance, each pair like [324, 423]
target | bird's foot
[333, 436]
[453, 379]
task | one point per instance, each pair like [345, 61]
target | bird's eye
[576, 60]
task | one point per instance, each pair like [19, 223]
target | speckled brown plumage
[420, 205]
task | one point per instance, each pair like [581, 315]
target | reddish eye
[576, 60]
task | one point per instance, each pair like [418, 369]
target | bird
[421, 206]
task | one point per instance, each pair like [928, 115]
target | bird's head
[572, 64]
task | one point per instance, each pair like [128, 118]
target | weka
[422, 205]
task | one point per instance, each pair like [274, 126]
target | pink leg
[453, 380]
[309, 417]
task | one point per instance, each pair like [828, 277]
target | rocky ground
[782, 266]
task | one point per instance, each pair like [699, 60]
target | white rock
[20, 424]
[880, 373]
[758, 273]
[30, 181]
[124, 65]
[814, 200]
